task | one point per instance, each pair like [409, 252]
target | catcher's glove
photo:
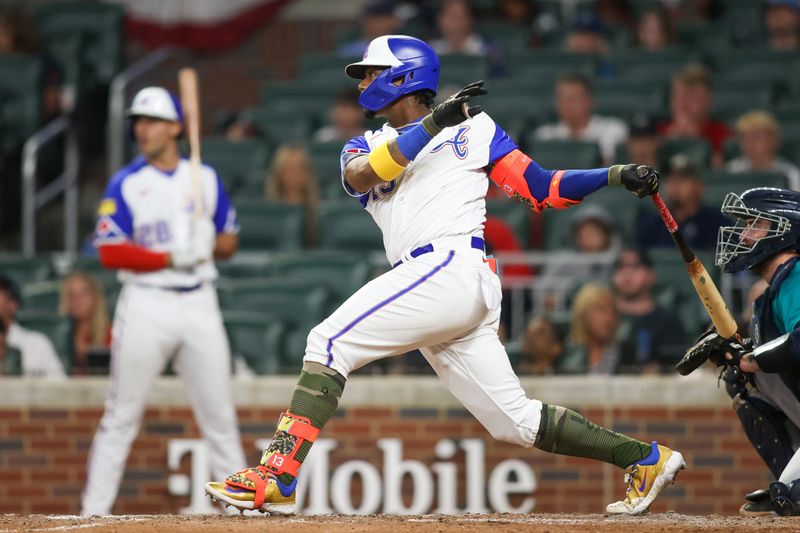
[711, 347]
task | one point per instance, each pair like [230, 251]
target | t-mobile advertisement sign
[323, 489]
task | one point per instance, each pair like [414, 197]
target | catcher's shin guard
[292, 432]
[764, 425]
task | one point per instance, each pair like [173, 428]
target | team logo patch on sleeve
[107, 231]
[355, 151]
[107, 207]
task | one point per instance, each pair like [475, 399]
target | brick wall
[43, 454]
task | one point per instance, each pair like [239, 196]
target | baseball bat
[190, 100]
[704, 286]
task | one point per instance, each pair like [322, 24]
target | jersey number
[148, 235]
[383, 191]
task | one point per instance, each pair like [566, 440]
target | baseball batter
[168, 307]
[423, 178]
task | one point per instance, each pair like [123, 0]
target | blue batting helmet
[405, 58]
[767, 222]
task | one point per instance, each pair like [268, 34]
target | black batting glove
[711, 347]
[641, 180]
[454, 110]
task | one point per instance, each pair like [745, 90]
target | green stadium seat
[623, 98]
[516, 215]
[281, 125]
[11, 364]
[301, 303]
[91, 265]
[548, 65]
[57, 328]
[720, 183]
[269, 226]
[557, 154]
[42, 296]
[671, 272]
[698, 151]
[504, 35]
[325, 158]
[346, 225]
[238, 269]
[19, 98]
[235, 161]
[519, 109]
[461, 69]
[342, 273]
[300, 88]
[25, 270]
[258, 338]
[729, 101]
[325, 66]
[635, 64]
[293, 300]
[100, 27]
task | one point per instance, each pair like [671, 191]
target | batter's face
[370, 73]
[154, 136]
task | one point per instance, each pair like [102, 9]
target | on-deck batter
[422, 177]
[168, 307]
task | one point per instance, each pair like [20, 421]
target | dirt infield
[496, 523]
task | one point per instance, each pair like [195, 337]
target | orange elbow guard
[509, 174]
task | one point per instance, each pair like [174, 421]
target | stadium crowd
[593, 289]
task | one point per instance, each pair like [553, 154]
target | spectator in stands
[592, 236]
[346, 118]
[587, 35]
[292, 181]
[378, 18]
[84, 302]
[235, 127]
[699, 223]
[457, 35]
[542, 345]
[525, 14]
[10, 359]
[690, 105]
[574, 105]
[759, 139]
[655, 31]
[39, 357]
[656, 334]
[592, 345]
[18, 35]
[643, 140]
[782, 20]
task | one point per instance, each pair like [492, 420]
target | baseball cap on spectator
[10, 287]
[682, 166]
[793, 4]
[642, 125]
[379, 8]
[588, 22]
[592, 213]
[642, 256]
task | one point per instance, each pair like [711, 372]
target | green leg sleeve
[565, 432]
[315, 397]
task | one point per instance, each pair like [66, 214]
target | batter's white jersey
[441, 192]
[153, 209]
[443, 299]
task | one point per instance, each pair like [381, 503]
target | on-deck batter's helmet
[405, 58]
[737, 249]
[156, 102]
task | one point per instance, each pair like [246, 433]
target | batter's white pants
[151, 326]
[447, 304]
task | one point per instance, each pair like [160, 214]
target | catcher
[761, 374]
